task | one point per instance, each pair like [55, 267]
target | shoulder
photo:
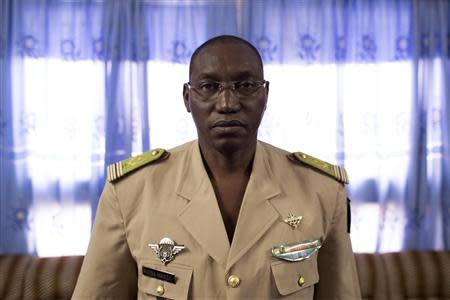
[323, 168]
[155, 157]
[336, 172]
[127, 166]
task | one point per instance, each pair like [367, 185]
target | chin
[227, 147]
[231, 144]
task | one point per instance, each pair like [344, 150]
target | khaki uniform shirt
[174, 198]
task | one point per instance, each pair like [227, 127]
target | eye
[245, 85]
[209, 86]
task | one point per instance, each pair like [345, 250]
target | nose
[227, 102]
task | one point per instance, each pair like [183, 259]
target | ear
[187, 104]
[267, 94]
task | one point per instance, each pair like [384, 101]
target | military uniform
[171, 196]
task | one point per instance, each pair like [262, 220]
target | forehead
[226, 61]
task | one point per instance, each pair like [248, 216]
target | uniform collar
[202, 218]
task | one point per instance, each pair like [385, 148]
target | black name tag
[164, 276]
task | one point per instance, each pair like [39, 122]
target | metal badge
[296, 251]
[166, 249]
[293, 220]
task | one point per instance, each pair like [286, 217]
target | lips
[229, 123]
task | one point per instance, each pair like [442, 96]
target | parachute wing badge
[166, 250]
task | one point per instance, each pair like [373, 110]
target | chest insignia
[292, 220]
[166, 250]
[296, 251]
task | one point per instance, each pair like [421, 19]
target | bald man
[225, 216]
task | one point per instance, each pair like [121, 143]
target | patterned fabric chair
[28, 277]
[387, 276]
[404, 275]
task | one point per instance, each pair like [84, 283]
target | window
[369, 104]
[62, 118]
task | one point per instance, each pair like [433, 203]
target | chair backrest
[404, 275]
[400, 275]
[28, 277]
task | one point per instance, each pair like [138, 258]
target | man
[224, 217]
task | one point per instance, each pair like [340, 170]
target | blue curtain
[120, 35]
[428, 183]
[123, 35]
[346, 32]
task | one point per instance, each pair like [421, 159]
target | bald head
[223, 40]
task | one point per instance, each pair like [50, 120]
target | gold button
[234, 281]
[160, 290]
[154, 152]
[301, 280]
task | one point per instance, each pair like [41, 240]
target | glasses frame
[229, 84]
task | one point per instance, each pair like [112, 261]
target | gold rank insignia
[334, 171]
[292, 220]
[121, 168]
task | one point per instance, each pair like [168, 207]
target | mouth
[230, 123]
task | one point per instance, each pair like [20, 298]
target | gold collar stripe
[121, 168]
[334, 171]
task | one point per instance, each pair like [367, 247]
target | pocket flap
[177, 290]
[287, 275]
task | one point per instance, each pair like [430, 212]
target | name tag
[164, 276]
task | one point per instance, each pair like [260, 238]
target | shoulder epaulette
[123, 167]
[334, 171]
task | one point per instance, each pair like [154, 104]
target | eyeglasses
[210, 88]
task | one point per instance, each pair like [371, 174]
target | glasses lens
[207, 89]
[247, 88]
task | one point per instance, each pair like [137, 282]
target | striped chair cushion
[27, 277]
[403, 275]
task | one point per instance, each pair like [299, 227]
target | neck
[223, 163]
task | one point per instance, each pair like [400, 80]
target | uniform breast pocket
[292, 277]
[156, 280]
